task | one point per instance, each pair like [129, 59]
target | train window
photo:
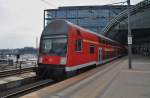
[103, 41]
[54, 47]
[99, 40]
[91, 49]
[78, 32]
[106, 42]
[78, 45]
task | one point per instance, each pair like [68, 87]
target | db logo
[50, 60]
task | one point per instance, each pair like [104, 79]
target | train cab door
[99, 55]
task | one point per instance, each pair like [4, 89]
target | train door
[99, 55]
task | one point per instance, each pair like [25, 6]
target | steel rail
[25, 88]
[16, 71]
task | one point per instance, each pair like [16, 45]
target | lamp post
[129, 37]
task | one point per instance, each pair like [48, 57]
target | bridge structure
[117, 28]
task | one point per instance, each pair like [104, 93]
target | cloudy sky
[21, 21]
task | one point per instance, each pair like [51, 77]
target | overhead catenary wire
[117, 3]
[48, 3]
[54, 5]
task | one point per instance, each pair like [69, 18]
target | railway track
[25, 89]
[16, 71]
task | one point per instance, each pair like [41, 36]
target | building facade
[93, 18]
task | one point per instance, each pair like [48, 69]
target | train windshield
[54, 47]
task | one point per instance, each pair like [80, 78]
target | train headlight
[63, 61]
[40, 59]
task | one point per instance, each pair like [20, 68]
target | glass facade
[93, 18]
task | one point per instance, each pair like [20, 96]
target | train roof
[52, 27]
[63, 25]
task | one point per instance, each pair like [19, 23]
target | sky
[21, 21]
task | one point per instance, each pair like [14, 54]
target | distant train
[66, 48]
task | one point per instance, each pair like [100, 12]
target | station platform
[113, 80]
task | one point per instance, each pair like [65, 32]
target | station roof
[89, 7]
[140, 23]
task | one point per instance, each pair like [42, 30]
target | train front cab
[52, 56]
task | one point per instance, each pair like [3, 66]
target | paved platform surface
[115, 81]
[134, 83]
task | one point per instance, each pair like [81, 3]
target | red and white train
[65, 48]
